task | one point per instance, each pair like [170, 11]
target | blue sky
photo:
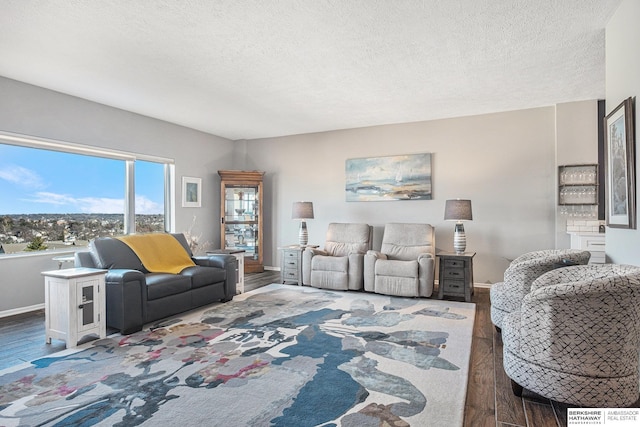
[41, 181]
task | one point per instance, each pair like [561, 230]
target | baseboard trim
[270, 268]
[21, 310]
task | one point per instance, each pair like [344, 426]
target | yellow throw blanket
[159, 253]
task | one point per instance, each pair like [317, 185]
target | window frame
[128, 157]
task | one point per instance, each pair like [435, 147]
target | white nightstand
[74, 304]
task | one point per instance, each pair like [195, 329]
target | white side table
[74, 304]
[239, 254]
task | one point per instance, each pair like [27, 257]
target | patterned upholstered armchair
[576, 337]
[506, 296]
[405, 264]
[341, 264]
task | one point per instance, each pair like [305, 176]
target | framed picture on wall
[400, 177]
[191, 192]
[620, 166]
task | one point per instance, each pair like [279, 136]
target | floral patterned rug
[281, 355]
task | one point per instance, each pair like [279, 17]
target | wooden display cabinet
[241, 219]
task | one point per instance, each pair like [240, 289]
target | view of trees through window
[52, 199]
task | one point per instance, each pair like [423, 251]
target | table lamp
[458, 210]
[302, 211]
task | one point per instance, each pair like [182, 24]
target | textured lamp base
[303, 235]
[459, 239]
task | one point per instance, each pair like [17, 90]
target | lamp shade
[302, 210]
[458, 210]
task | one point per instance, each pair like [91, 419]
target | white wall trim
[20, 310]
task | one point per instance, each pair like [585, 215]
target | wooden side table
[74, 304]
[239, 254]
[291, 263]
[456, 275]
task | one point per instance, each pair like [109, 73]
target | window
[53, 194]
[149, 198]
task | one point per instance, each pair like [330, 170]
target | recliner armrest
[316, 251]
[356, 271]
[425, 255]
[369, 268]
[307, 256]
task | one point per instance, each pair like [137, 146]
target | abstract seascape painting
[401, 177]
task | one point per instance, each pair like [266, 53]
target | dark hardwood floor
[490, 401]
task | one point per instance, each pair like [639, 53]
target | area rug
[279, 356]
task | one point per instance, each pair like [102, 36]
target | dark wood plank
[509, 408]
[483, 328]
[479, 408]
[480, 404]
[560, 410]
[540, 414]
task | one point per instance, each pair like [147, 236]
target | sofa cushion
[330, 263]
[204, 276]
[110, 253]
[397, 268]
[160, 285]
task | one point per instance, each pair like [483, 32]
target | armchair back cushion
[405, 242]
[109, 253]
[343, 239]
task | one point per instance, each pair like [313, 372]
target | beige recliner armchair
[405, 264]
[340, 265]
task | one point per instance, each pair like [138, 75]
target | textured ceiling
[251, 69]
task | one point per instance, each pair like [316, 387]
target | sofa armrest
[83, 259]
[227, 262]
[356, 271]
[126, 299]
[425, 255]
[426, 274]
[307, 256]
[370, 259]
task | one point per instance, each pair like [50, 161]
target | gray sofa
[136, 296]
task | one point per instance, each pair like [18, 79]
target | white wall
[576, 143]
[623, 81]
[31, 110]
[505, 163]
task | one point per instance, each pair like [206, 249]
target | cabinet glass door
[87, 305]
[241, 219]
